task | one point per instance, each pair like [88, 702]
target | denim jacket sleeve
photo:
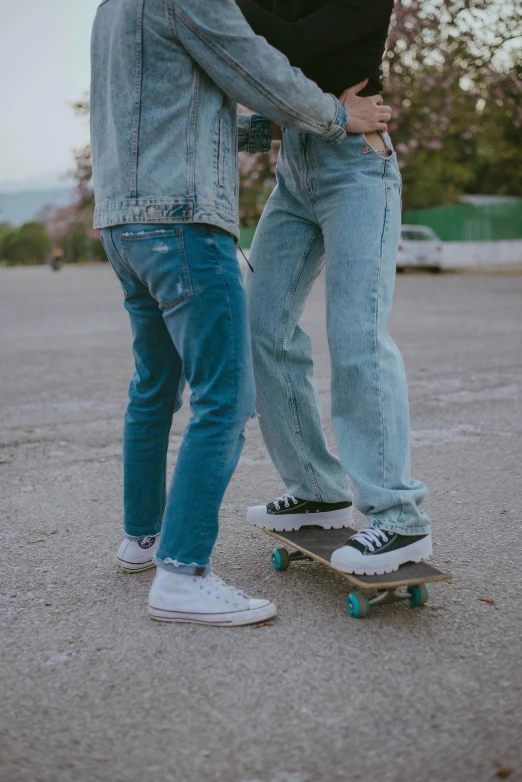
[254, 133]
[251, 72]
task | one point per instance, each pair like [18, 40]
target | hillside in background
[18, 208]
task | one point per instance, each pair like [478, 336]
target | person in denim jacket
[166, 76]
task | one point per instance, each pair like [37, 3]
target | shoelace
[285, 498]
[213, 585]
[371, 537]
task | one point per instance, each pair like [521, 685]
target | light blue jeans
[185, 297]
[338, 206]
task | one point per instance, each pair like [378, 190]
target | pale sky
[44, 67]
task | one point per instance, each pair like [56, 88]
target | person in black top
[338, 208]
[336, 44]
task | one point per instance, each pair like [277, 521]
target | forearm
[253, 73]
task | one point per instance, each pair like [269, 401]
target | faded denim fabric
[340, 206]
[166, 76]
[185, 297]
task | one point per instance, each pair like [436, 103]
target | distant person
[166, 75]
[339, 206]
[56, 259]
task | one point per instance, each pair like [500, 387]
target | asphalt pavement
[91, 690]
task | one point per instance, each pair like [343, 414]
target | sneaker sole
[334, 519]
[417, 554]
[131, 567]
[232, 619]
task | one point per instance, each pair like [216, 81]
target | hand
[276, 132]
[365, 114]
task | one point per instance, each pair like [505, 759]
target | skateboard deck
[316, 543]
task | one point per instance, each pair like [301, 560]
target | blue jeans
[185, 297]
[338, 206]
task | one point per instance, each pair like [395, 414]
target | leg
[287, 256]
[154, 395]
[359, 210]
[193, 275]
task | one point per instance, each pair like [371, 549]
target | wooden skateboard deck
[318, 544]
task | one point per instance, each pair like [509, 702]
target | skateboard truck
[359, 605]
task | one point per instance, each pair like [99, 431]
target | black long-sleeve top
[336, 43]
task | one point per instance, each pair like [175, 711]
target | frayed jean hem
[192, 569]
[142, 537]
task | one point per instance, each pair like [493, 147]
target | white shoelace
[286, 500]
[215, 586]
[373, 538]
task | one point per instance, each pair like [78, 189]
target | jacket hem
[166, 211]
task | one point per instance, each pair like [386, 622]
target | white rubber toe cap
[257, 514]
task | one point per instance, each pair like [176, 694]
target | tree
[257, 179]
[453, 82]
[83, 164]
[498, 163]
[5, 229]
[439, 49]
[28, 244]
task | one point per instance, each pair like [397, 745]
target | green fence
[471, 222]
[459, 223]
[246, 236]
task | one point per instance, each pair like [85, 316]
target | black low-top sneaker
[288, 512]
[373, 552]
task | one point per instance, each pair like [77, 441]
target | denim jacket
[166, 77]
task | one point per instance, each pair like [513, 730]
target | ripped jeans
[185, 297]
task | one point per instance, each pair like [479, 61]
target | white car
[420, 247]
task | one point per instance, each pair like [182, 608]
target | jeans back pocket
[159, 260]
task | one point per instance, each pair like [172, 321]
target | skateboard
[312, 543]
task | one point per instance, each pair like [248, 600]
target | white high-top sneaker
[136, 555]
[177, 597]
